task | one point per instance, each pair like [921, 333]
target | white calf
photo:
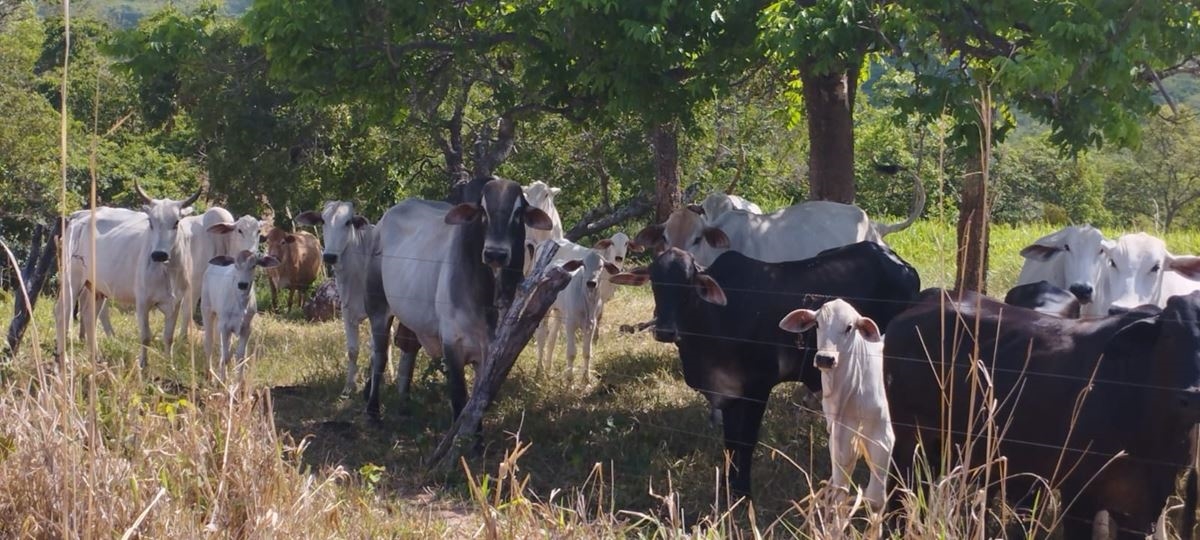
[576, 308]
[850, 356]
[541, 195]
[613, 249]
[228, 305]
[1137, 268]
[1071, 258]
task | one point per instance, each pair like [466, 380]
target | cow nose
[495, 256]
[666, 335]
[159, 256]
[242, 285]
[591, 284]
[825, 361]
[1082, 292]
[329, 258]
[620, 259]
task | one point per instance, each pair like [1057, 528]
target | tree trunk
[829, 106]
[529, 307]
[665, 140]
[491, 152]
[973, 216]
[44, 251]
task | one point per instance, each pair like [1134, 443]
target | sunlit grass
[631, 454]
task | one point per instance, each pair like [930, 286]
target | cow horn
[191, 200]
[138, 189]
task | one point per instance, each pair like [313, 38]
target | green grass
[599, 460]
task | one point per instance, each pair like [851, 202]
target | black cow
[1044, 298]
[725, 321]
[1126, 383]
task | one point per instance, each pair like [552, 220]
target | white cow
[1136, 270]
[348, 241]
[797, 232]
[717, 203]
[137, 261]
[208, 235]
[446, 273]
[1072, 259]
[850, 356]
[228, 305]
[541, 195]
[613, 249]
[576, 308]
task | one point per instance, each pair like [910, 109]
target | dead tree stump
[39, 267]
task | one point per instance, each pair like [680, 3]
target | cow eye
[849, 328]
[175, 225]
[1112, 263]
[696, 241]
[1154, 268]
[1066, 247]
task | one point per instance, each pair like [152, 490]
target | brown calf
[299, 257]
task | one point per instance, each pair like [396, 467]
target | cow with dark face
[1100, 408]
[725, 321]
[447, 273]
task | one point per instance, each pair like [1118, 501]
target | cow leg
[226, 342]
[455, 379]
[351, 328]
[589, 333]
[879, 453]
[209, 336]
[381, 326]
[274, 292]
[142, 314]
[102, 313]
[599, 317]
[539, 336]
[742, 420]
[409, 346]
[554, 319]
[170, 317]
[570, 327]
[243, 342]
[842, 454]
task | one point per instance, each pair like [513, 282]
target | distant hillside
[127, 13]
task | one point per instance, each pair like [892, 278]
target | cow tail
[914, 211]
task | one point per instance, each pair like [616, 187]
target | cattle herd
[1087, 376]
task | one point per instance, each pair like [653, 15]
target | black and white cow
[725, 321]
[446, 272]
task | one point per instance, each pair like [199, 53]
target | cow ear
[222, 228]
[798, 321]
[611, 268]
[535, 218]
[697, 209]
[1132, 340]
[289, 239]
[868, 329]
[652, 235]
[358, 222]
[463, 213]
[555, 191]
[1186, 265]
[221, 260]
[709, 290]
[634, 278]
[603, 244]
[309, 218]
[243, 256]
[572, 265]
[634, 247]
[186, 211]
[1039, 252]
[268, 261]
[716, 237]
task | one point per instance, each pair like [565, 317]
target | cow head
[1136, 264]
[1167, 344]
[164, 216]
[676, 279]
[685, 229]
[244, 265]
[504, 214]
[1082, 250]
[341, 225]
[592, 269]
[243, 234]
[614, 248]
[839, 328]
[541, 195]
